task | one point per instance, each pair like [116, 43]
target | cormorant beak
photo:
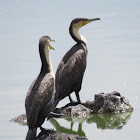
[51, 47]
[89, 20]
[53, 40]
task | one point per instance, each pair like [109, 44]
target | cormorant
[41, 91]
[70, 71]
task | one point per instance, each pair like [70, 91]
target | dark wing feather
[39, 94]
[70, 71]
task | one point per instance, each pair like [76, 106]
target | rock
[74, 110]
[50, 134]
[22, 120]
[109, 102]
[89, 104]
[77, 112]
[103, 103]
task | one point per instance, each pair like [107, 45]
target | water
[113, 61]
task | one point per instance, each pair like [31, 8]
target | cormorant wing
[70, 69]
[39, 94]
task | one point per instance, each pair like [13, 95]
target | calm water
[113, 61]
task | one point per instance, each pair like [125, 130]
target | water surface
[113, 61]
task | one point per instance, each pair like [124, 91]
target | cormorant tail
[53, 106]
[31, 134]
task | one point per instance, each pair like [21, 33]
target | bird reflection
[103, 121]
[70, 130]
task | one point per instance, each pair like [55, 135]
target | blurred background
[113, 62]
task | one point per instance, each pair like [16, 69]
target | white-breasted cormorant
[40, 93]
[69, 74]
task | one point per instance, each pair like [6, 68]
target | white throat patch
[77, 35]
[47, 54]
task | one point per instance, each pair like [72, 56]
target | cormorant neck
[45, 59]
[74, 32]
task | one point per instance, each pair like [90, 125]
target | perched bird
[70, 71]
[41, 91]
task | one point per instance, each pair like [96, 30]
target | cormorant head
[80, 22]
[45, 41]
[44, 50]
[76, 24]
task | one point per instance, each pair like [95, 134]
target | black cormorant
[69, 74]
[40, 93]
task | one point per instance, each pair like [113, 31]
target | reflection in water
[103, 121]
[110, 121]
[63, 129]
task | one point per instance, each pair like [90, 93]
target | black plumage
[40, 93]
[69, 74]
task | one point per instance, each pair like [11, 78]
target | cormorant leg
[71, 99]
[78, 97]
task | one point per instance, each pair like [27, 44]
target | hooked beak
[53, 40]
[93, 19]
[89, 20]
[51, 46]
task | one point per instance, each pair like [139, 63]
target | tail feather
[31, 134]
[52, 108]
[54, 104]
